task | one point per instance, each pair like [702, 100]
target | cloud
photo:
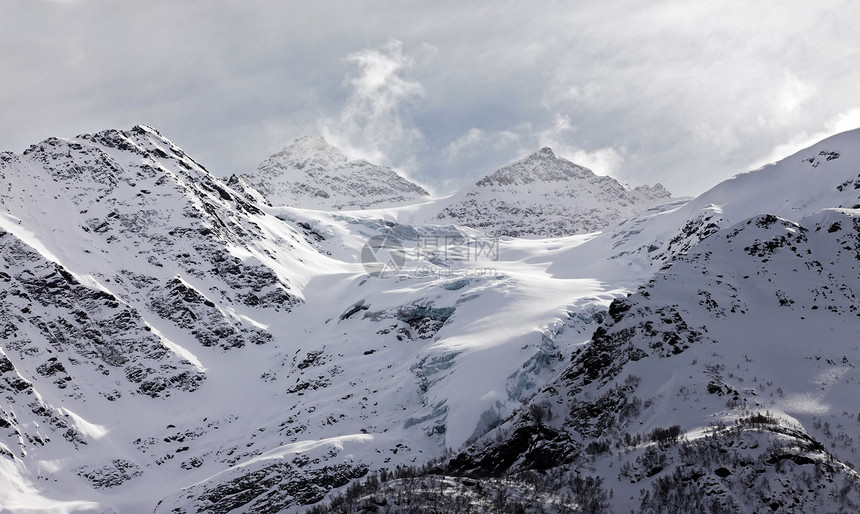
[603, 161]
[794, 93]
[559, 136]
[686, 94]
[842, 122]
[476, 142]
[374, 124]
[517, 142]
[787, 103]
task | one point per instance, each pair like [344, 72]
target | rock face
[120, 260]
[312, 174]
[544, 195]
[105, 237]
[82, 332]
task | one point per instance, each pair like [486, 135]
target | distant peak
[310, 149]
[541, 154]
[311, 140]
[142, 128]
[541, 166]
[312, 143]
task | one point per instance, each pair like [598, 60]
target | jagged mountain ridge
[282, 371]
[225, 287]
[544, 195]
[541, 195]
[310, 173]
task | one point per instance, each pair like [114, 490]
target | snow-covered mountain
[125, 264]
[545, 195]
[169, 342]
[542, 195]
[310, 173]
[726, 382]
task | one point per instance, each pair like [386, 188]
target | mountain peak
[312, 173]
[542, 156]
[547, 195]
[141, 128]
[541, 166]
[544, 152]
[310, 151]
[311, 142]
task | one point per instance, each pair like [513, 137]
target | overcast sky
[684, 93]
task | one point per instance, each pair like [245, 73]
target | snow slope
[822, 176]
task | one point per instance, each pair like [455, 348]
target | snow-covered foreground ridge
[171, 343]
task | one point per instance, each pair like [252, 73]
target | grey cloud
[373, 123]
[685, 94]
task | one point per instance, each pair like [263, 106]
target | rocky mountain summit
[545, 195]
[310, 173]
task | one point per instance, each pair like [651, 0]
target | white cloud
[525, 139]
[786, 105]
[794, 93]
[374, 124]
[847, 120]
[554, 133]
[468, 141]
[687, 94]
[722, 139]
[558, 136]
[476, 141]
[604, 161]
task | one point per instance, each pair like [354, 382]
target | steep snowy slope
[697, 350]
[312, 174]
[825, 175]
[727, 382]
[125, 265]
[545, 195]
